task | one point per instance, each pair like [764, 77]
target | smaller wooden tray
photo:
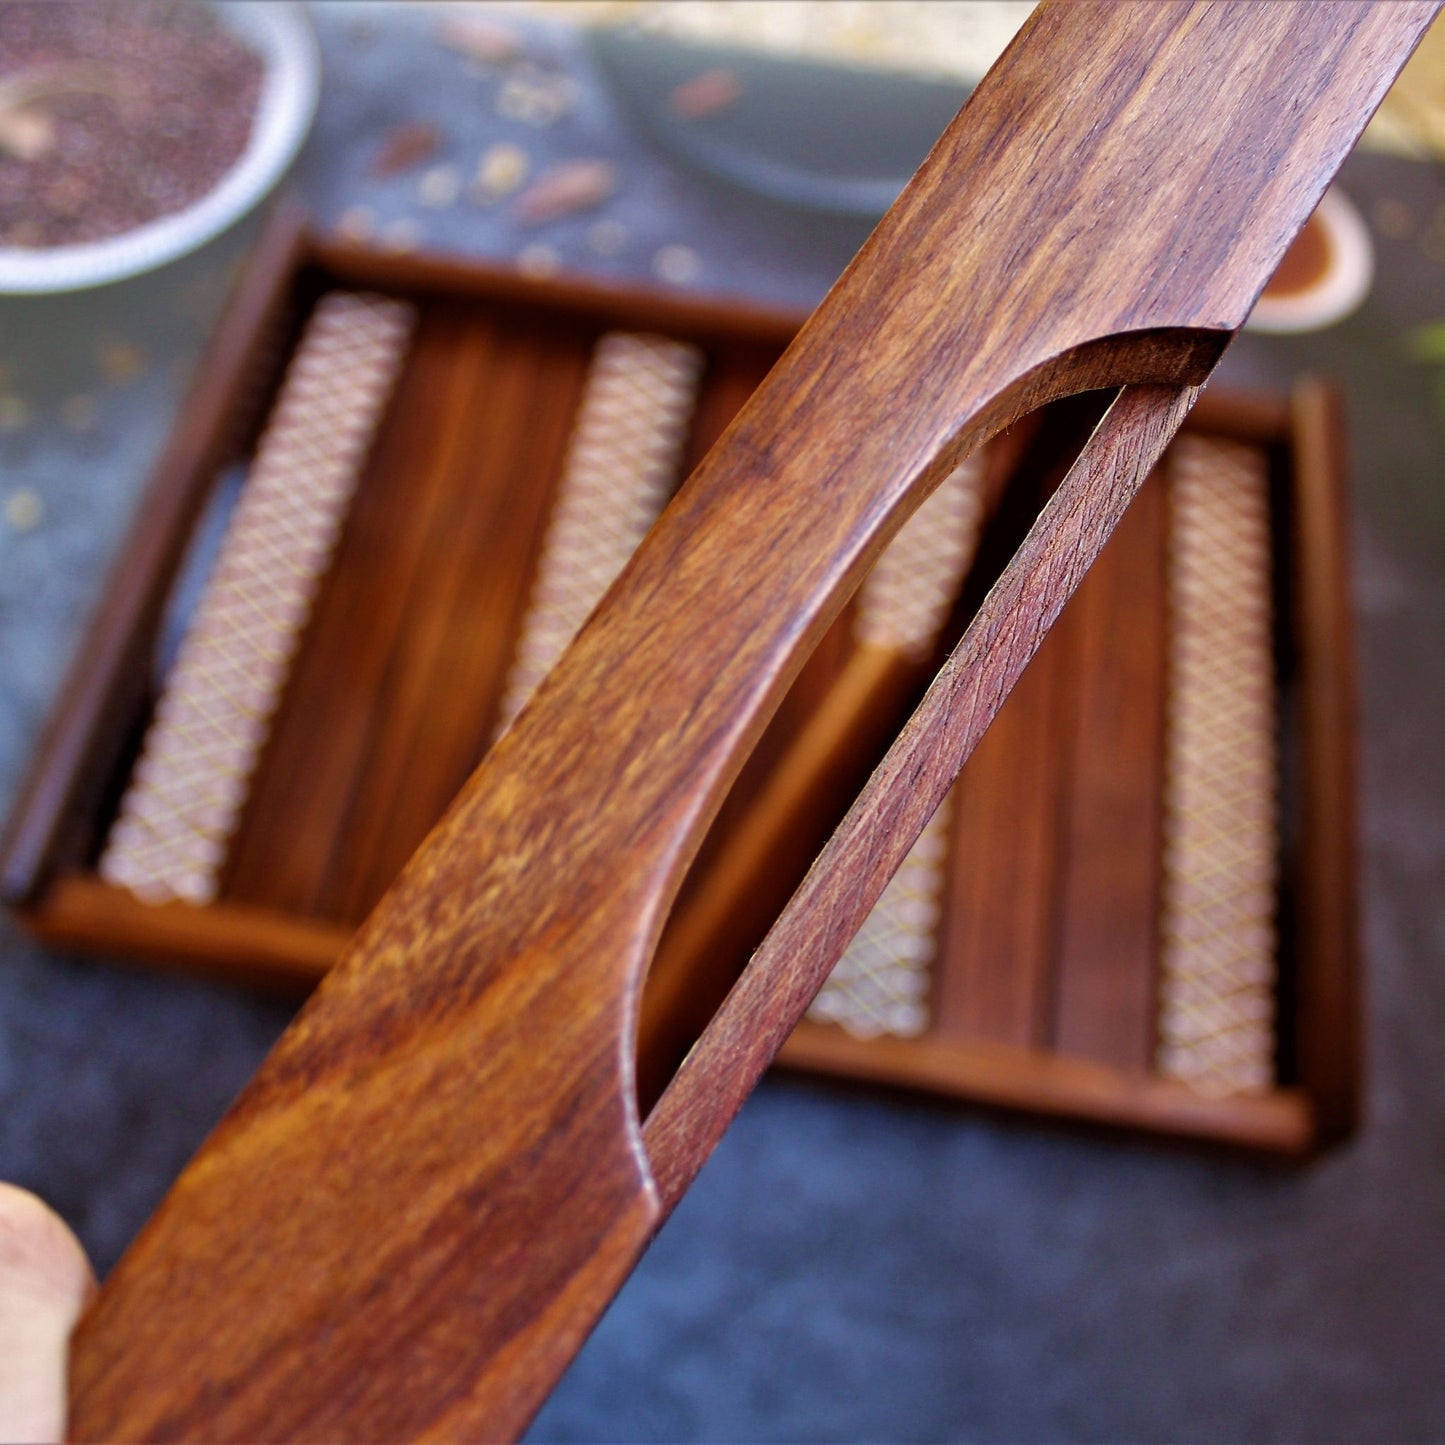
[1044, 994]
[1047, 976]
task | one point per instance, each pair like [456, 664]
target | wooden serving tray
[1046, 982]
[1044, 992]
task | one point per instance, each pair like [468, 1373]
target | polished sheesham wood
[1004, 860]
[908, 786]
[1004, 868]
[972, 1049]
[1016, 891]
[408, 1222]
[1328, 1033]
[1114, 640]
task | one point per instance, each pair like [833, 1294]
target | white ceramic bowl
[282, 36]
[1340, 287]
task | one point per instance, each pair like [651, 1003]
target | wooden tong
[409, 1221]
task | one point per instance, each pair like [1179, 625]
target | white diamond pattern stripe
[1217, 936]
[189, 786]
[881, 984]
[907, 596]
[621, 465]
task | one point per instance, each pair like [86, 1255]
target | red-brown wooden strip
[295, 819]
[407, 763]
[1107, 924]
[489, 600]
[1326, 914]
[995, 965]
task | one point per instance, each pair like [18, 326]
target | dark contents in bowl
[114, 113]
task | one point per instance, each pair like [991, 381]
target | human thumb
[45, 1281]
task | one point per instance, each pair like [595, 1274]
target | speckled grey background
[850, 1266]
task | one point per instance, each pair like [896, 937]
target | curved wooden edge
[747, 883]
[852, 871]
[373, 1216]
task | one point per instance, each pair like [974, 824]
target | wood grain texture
[1328, 1035]
[749, 878]
[993, 970]
[301, 796]
[1106, 931]
[1036, 1082]
[910, 783]
[355, 1253]
[996, 950]
[443, 679]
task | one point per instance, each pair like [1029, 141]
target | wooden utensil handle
[909, 784]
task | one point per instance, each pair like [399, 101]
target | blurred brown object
[404, 147]
[573, 186]
[706, 93]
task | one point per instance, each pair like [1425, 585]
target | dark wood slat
[298, 800]
[1113, 635]
[486, 614]
[1281, 1123]
[993, 973]
[779, 817]
[1329, 1045]
[444, 680]
[995, 966]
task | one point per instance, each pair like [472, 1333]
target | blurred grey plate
[818, 136]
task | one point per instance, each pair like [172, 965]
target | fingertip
[39, 1253]
[45, 1282]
